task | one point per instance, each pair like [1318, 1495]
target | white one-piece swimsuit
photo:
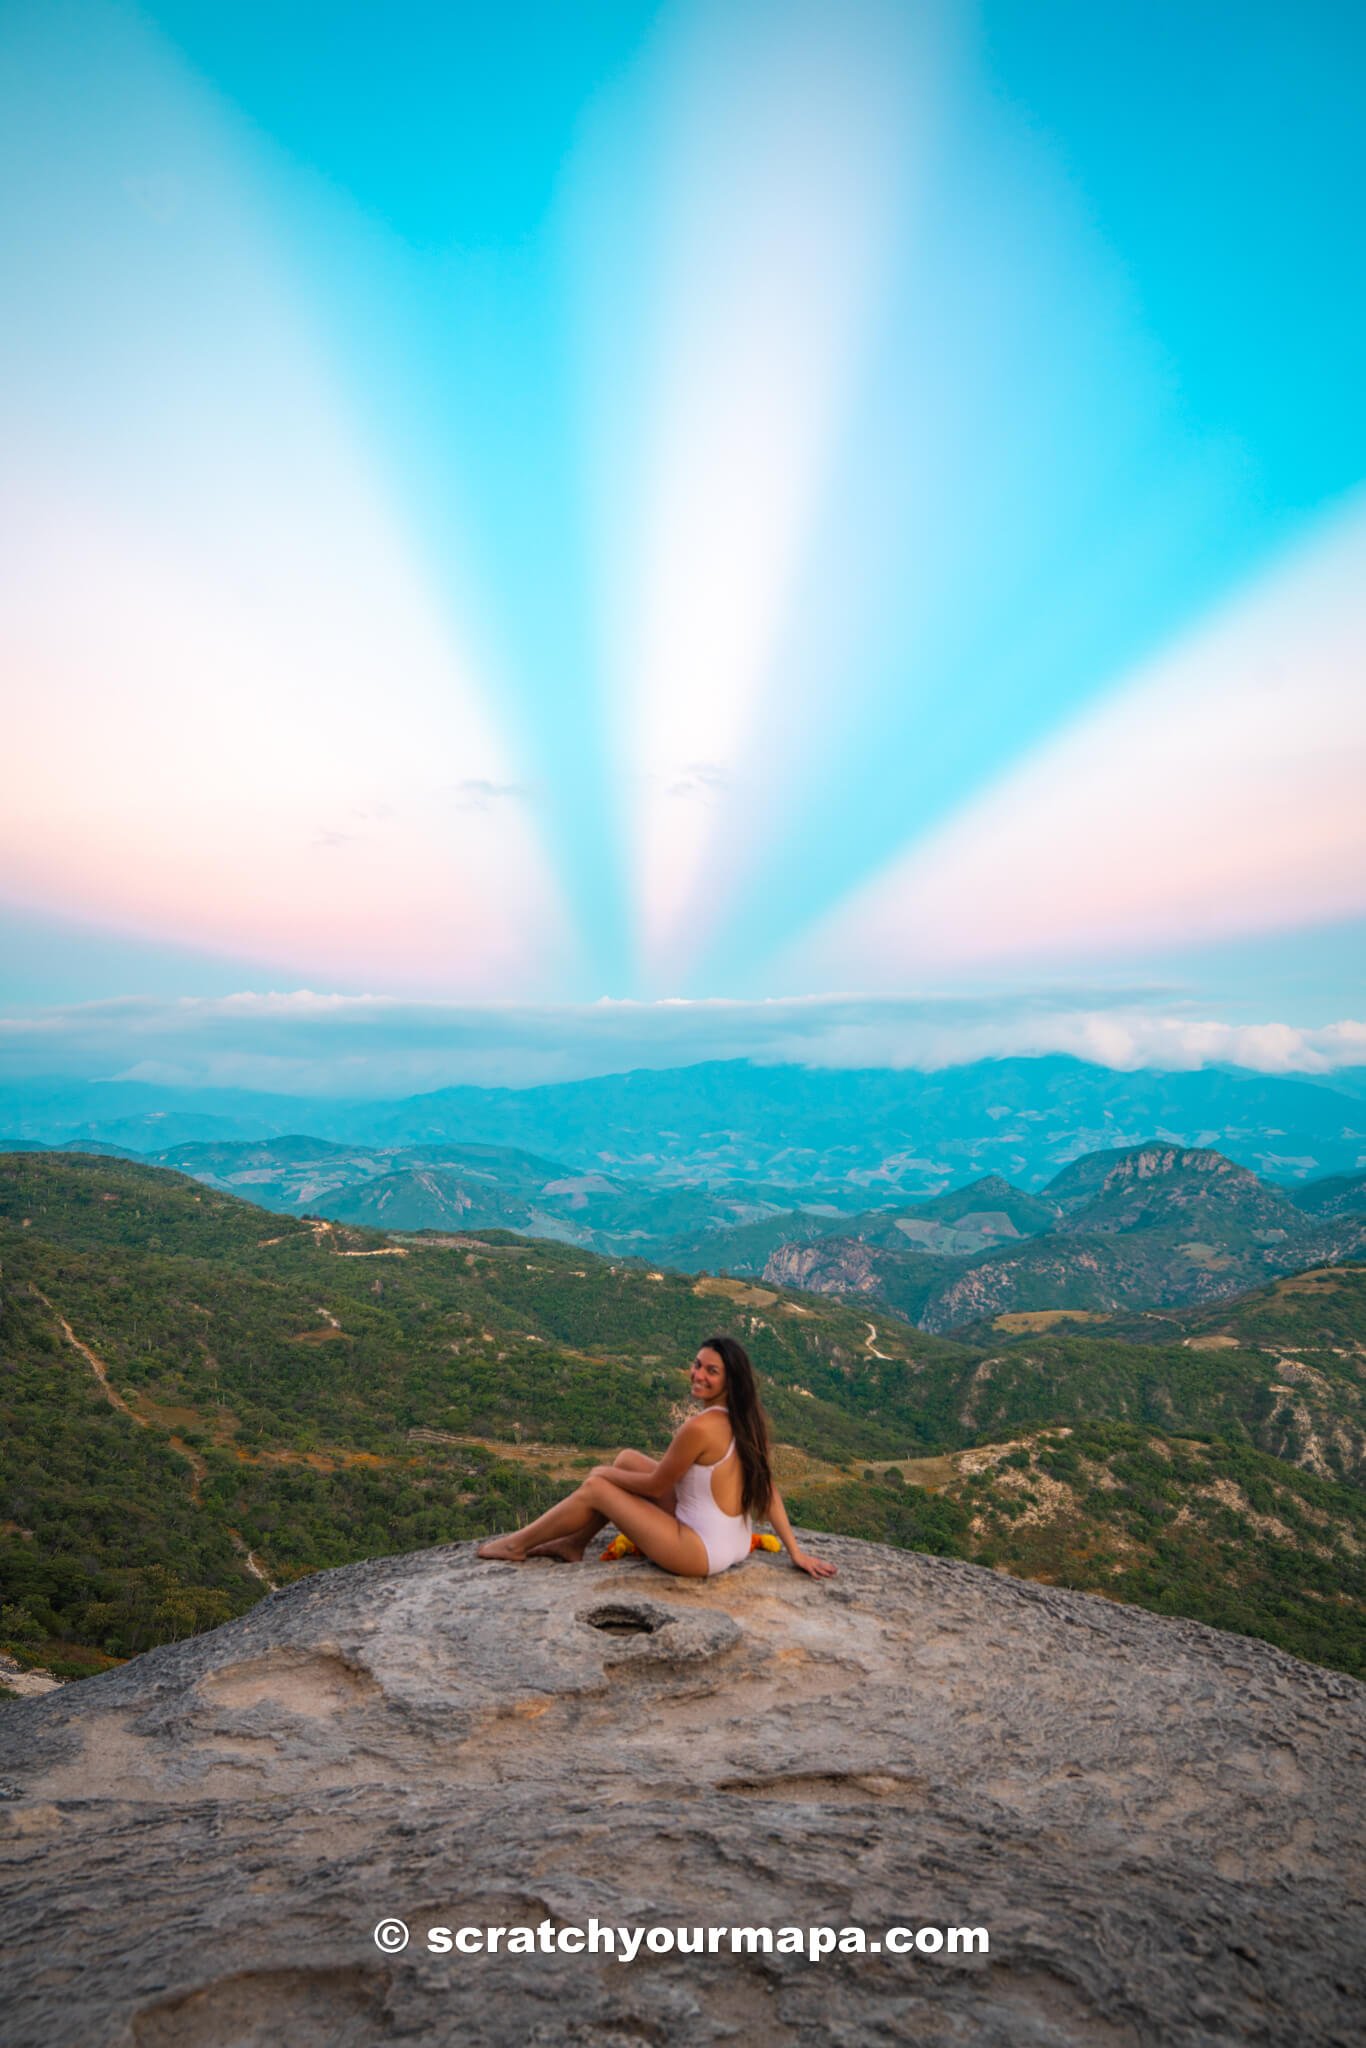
[725, 1538]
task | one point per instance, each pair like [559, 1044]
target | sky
[680, 514]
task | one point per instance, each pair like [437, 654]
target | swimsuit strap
[719, 1408]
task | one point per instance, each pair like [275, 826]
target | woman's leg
[572, 1522]
[570, 1549]
[653, 1529]
[566, 1518]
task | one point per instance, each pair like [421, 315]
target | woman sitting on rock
[691, 1511]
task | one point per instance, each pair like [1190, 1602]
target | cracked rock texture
[1158, 1824]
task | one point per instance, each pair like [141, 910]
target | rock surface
[1158, 1825]
[25, 1685]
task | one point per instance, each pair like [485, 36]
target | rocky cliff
[1158, 1825]
[1156, 1226]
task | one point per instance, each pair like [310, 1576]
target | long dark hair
[748, 1421]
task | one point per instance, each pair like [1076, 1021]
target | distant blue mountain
[865, 1138]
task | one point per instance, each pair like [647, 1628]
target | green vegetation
[885, 1511]
[1115, 1232]
[1320, 1314]
[1216, 1532]
[291, 1395]
[274, 1370]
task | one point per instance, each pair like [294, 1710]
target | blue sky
[544, 503]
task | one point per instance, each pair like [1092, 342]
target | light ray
[1215, 793]
[773, 207]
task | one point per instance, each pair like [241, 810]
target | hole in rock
[616, 1620]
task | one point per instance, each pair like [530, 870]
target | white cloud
[306, 1042]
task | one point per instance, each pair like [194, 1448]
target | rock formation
[1158, 1825]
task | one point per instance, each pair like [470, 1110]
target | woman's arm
[663, 1476]
[630, 1479]
[777, 1515]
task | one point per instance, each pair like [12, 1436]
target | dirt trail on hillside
[251, 1560]
[199, 1470]
[322, 1230]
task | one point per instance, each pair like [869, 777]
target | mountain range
[480, 1187]
[874, 1182]
[841, 1136]
[1152, 1227]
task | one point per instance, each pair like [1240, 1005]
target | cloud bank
[306, 1043]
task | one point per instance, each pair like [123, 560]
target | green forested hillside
[1337, 1194]
[198, 1396]
[271, 1372]
[488, 1187]
[1205, 1528]
[1155, 1226]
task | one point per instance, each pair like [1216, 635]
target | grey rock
[1157, 1824]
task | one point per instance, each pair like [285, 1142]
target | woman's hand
[815, 1566]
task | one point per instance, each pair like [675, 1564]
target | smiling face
[708, 1376]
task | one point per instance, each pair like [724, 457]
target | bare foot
[565, 1549]
[502, 1549]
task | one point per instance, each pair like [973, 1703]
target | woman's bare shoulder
[692, 1430]
[714, 1431]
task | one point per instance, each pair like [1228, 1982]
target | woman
[691, 1511]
